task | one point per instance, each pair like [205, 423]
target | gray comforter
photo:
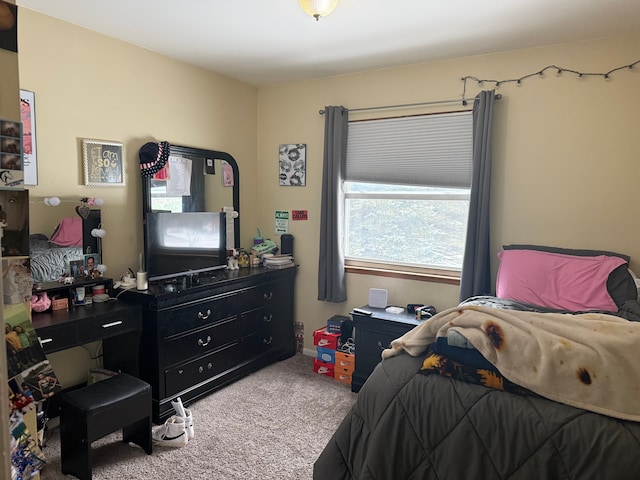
[408, 425]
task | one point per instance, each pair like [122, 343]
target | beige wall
[566, 164]
[91, 86]
[9, 110]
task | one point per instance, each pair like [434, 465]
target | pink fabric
[68, 233]
[554, 280]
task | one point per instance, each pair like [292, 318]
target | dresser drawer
[200, 370]
[373, 341]
[200, 342]
[58, 338]
[197, 315]
[260, 318]
[272, 336]
[106, 326]
[264, 295]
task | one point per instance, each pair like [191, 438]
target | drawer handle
[180, 371]
[267, 319]
[204, 316]
[112, 324]
[202, 343]
[209, 365]
[268, 296]
[200, 369]
[267, 341]
[45, 340]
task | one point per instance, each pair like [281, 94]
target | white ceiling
[269, 41]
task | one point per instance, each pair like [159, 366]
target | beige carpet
[272, 424]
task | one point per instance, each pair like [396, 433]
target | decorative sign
[282, 221]
[299, 215]
[293, 164]
[103, 162]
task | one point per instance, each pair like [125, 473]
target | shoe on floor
[188, 423]
[172, 434]
[184, 413]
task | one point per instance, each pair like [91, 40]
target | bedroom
[565, 166]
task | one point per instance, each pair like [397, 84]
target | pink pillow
[554, 280]
[68, 233]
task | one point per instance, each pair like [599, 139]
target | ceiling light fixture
[318, 8]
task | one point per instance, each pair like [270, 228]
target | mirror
[203, 181]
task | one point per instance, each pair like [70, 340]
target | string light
[540, 73]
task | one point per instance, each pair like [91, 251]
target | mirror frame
[202, 153]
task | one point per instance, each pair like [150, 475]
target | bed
[539, 381]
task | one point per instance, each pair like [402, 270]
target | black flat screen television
[179, 244]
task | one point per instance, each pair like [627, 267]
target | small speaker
[286, 244]
[378, 297]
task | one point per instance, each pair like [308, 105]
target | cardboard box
[323, 368]
[346, 361]
[334, 324]
[326, 355]
[324, 339]
[342, 376]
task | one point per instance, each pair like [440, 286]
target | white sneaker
[185, 414]
[188, 423]
[172, 434]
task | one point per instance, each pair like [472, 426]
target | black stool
[89, 413]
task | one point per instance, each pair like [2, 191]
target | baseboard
[310, 352]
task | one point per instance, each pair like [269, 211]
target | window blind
[431, 150]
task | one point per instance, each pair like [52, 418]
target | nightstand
[374, 333]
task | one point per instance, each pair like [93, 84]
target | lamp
[318, 8]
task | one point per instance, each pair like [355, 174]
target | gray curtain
[331, 281]
[476, 264]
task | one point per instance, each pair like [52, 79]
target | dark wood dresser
[196, 338]
[374, 333]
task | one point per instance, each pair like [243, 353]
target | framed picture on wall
[103, 162]
[293, 164]
[29, 146]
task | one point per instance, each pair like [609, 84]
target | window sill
[426, 276]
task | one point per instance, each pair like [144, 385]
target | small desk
[118, 324]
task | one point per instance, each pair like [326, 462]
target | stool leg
[75, 451]
[139, 433]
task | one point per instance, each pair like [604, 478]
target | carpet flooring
[272, 424]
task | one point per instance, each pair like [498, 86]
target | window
[407, 192]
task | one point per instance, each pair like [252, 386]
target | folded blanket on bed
[590, 361]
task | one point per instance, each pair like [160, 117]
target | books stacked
[277, 261]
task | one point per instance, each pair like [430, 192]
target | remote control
[361, 311]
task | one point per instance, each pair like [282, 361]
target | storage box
[323, 368]
[346, 361]
[334, 324]
[321, 338]
[59, 304]
[326, 355]
[342, 376]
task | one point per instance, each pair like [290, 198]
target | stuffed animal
[40, 302]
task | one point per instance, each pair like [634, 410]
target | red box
[324, 339]
[323, 368]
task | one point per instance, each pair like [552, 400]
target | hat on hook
[153, 156]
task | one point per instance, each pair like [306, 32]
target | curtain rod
[436, 102]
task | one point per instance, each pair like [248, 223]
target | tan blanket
[590, 361]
